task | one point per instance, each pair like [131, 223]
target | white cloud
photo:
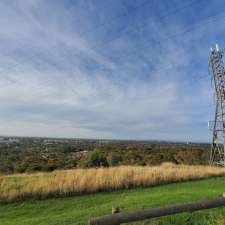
[56, 81]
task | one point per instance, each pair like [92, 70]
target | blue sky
[116, 69]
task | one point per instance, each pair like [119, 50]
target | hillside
[78, 210]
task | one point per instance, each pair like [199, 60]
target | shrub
[21, 168]
[113, 159]
[96, 158]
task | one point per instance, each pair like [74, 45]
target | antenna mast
[217, 154]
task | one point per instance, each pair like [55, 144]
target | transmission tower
[217, 154]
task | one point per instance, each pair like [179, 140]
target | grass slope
[78, 210]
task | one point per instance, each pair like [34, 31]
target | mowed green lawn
[79, 209]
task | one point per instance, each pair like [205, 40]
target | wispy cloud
[106, 70]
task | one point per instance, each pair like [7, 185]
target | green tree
[113, 159]
[96, 158]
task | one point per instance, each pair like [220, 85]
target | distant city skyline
[114, 69]
[18, 138]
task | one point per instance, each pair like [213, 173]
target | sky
[109, 69]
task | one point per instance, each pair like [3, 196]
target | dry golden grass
[79, 181]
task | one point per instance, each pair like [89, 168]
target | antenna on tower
[217, 47]
[217, 154]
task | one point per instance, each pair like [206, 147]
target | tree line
[36, 156]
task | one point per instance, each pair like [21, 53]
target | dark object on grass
[115, 210]
[120, 218]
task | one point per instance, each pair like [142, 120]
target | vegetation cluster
[29, 155]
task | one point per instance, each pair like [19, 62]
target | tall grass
[80, 181]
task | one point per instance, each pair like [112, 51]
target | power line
[155, 41]
[187, 30]
[210, 19]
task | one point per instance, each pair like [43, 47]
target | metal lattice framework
[217, 155]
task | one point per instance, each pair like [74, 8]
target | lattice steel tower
[216, 63]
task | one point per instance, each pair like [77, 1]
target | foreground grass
[79, 209]
[80, 181]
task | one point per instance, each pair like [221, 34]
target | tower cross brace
[216, 63]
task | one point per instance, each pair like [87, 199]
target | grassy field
[83, 181]
[78, 209]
